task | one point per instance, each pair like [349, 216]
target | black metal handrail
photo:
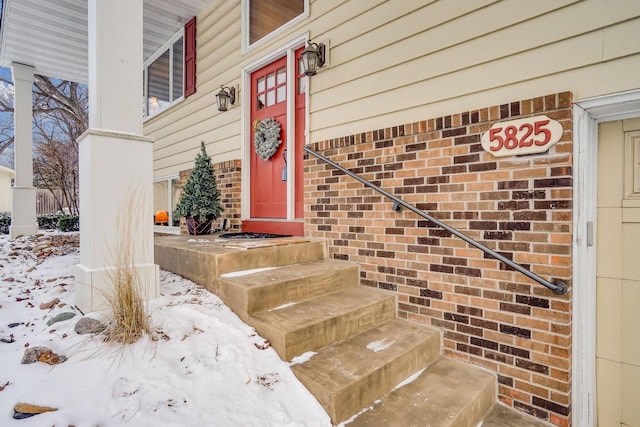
[557, 287]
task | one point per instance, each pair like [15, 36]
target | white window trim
[168, 45]
[587, 114]
[168, 229]
[246, 46]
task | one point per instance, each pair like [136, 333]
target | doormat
[249, 235]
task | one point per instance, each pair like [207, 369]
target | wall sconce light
[226, 97]
[313, 57]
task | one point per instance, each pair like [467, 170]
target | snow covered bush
[5, 222]
[68, 223]
[48, 221]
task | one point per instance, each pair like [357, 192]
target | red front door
[269, 186]
[269, 100]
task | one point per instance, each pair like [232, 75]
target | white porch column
[23, 215]
[115, 161]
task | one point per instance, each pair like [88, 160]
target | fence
[46, 202]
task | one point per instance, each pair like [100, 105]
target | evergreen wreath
[267, 137]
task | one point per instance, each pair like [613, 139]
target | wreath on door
[267, 137]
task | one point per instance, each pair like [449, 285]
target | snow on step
[380, 344]
[271, 288]
[352, 375]
[246, 272]
[324, 320]
[447, 394]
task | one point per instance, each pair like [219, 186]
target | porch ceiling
[52, 35]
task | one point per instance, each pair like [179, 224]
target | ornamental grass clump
[125, 302]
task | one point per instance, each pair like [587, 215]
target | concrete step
[269, 253]
[268, 289]
[502, 416]
[351, 375]
[447, 394]
[325, 320]
[203, 259]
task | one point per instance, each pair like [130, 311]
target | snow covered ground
[205, 368]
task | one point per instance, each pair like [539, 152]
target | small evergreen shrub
[200, 198]
[45, 222]
[5, 222]
[48, 221]
[69, 223]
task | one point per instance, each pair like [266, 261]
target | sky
[7, 155]
[4, 73]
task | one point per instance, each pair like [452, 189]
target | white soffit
[51, 35]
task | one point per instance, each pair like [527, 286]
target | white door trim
[587, 114]
[245, 121]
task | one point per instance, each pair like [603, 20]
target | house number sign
[523, 136]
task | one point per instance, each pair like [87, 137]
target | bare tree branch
[6, 144]
[60, 111]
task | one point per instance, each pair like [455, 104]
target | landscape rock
[60, 318]
[87, 325]
[31, 355]
[9, 340]
[41, 246]
[50, 358]
[21, 415]
[50, 304]
[26, 410]
[44, 253]
[41, 354]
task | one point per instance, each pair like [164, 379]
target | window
[178, 68]
[263, 17]
[166, 193]
[272, 88]
[169, 75]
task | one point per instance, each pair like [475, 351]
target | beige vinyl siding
[400, 61]
[179, 130]
[421, 57]
[6, 193]
[450, 56]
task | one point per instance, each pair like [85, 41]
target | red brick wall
[519, 206]
[228, 179]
